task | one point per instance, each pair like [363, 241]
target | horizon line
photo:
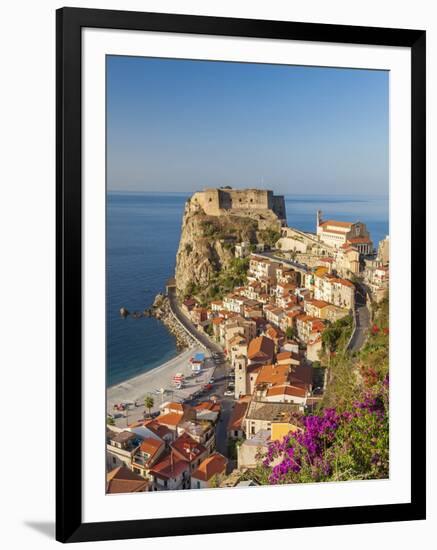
[143, 192]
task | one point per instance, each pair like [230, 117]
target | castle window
[210, 199]
[251, 200]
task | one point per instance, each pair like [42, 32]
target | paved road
[190, 327]
[362, 317]
[220, 373]
[291, 263]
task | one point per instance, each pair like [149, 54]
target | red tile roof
[261, 348]
[273, 374]
[296, 391]
[123, 480]
[213, 465]
[238, 412]
[274, 333]
[301, 374]
[208, 406]
[337, 223]
[187, 448]
[158, 429]
[170, 419]
[169, 466]
[317, 303]
[150, 446]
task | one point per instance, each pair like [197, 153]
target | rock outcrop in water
[214, 221]
[161, 310]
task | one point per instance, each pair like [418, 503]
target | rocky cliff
[205, 262]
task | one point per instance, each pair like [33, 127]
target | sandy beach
[135, 389]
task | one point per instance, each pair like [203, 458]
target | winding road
[189, 326]
[362, 319]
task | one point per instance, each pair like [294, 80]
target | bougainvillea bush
[348, 441]
[334, 446]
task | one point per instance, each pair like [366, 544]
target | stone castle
[215, 202]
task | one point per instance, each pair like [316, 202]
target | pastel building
[337, 233]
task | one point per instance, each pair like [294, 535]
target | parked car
[211, 380]
[229, 393]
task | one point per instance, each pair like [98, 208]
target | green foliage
[209, 229]
[232, 446]
[188, 248]
[222, 282]
[270, 235]
[191, 289]
[348, 438]
[149, 402]
[318, 374]
[349, 374]
[290, 333]
[216, 480]
[337, 333]
[240, 266]
[110, 421]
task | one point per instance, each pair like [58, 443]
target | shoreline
[151, 371]
[133, 390]
[161, 312]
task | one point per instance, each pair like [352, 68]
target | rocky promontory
[214, 221]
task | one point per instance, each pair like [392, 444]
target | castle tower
[318, 222]
[240, 363]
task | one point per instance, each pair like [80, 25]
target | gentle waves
[143, 231]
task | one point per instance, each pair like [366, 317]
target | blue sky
[181, 125]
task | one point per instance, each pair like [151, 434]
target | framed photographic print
[240, 221]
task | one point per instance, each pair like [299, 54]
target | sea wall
[161, 310]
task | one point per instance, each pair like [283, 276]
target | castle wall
[209, 201]
[279, 206]
[245, 199]
[213, 201]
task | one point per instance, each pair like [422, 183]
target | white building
[337, 233]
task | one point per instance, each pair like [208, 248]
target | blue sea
[143, 232]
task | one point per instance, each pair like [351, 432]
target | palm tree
[149, 402]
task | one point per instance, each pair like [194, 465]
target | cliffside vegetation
[348, 437]
[206, 266]
[220, 282]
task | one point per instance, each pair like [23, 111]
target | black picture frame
[69, 24]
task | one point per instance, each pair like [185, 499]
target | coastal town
[260, 314]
